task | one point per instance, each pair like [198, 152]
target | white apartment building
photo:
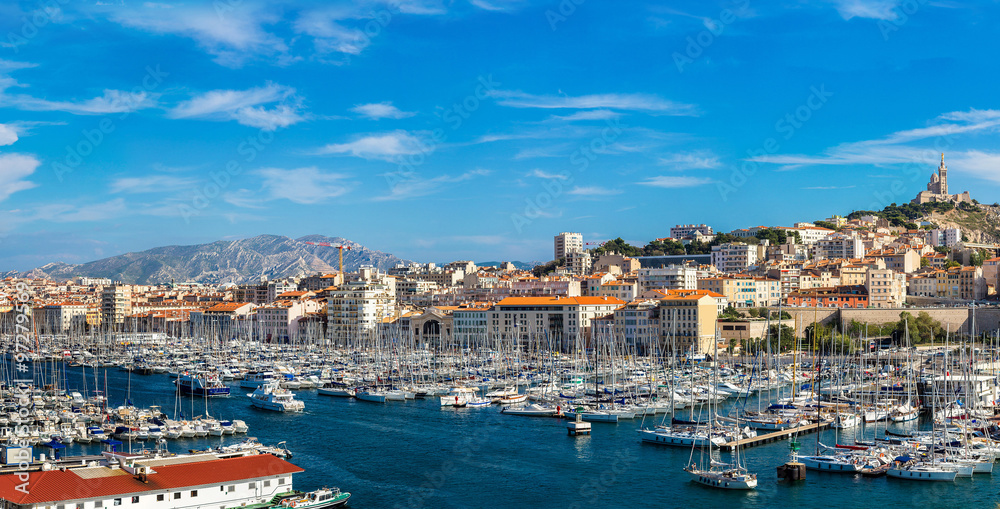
[278, 321]
[734, 257]
[686, 230]
[839, 245]
[63, 317]
[567, 242]
[562, 286]
[578, 262]
[674, 277]
[886, 288]
[358, 306]
[944, 237]
[566, 320]
[116, 304]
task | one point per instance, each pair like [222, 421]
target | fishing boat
[320, 499]
[272, 397]
[458, 396]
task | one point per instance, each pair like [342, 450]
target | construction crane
[339, 247]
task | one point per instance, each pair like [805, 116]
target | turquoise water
[417, 454]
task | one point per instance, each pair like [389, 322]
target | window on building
[161, 497]
[135, 500]
[267, 483]
[194, 493]
[177, 495]
[118, 501]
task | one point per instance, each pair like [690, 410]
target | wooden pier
[775, 436]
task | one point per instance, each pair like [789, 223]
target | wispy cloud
[387, 147]
[303, 185]
[542, 174]
[870, 9]
[587, 115]
[592, 191]
[14, 169]
[376, 111]
[829, 188]
[691, 160]
[648, 103]
[670, 182]
[417, 186]
[233, 33]
[150, 184]
[112, 101]
[248, 107]
[906, 146]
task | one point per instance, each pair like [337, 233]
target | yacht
[272, 397]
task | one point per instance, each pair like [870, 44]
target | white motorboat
[370, 396]
[333, 389]
[272, 397]
[458, 396]
[532, 410]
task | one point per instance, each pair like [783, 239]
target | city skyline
[477, 130]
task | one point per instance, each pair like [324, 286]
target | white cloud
[592, 191]
[303, 185]
[244, 198]
[387, 147]
[150, 184]
[898, 147]
[7, 135]
[14, 168]
[546, 175]
[245, 106]
[232, 33]
[112, 101]
[416, 187]
[675, 182]
[702, 160]
[68, 213]
[376, 111]
[588, 115]
[649, 103]
[871, 9]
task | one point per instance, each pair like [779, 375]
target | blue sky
[476, 129]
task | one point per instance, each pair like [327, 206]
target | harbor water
[416, 454]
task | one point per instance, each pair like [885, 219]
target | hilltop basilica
[937, 189]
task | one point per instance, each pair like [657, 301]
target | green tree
[951, 263]
[924, 262]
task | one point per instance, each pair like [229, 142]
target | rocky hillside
[982, 226]
[235, 261]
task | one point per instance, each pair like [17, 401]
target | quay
[775, 436]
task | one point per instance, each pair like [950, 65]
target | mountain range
[224, 261]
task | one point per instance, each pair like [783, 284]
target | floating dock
[775, 436]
